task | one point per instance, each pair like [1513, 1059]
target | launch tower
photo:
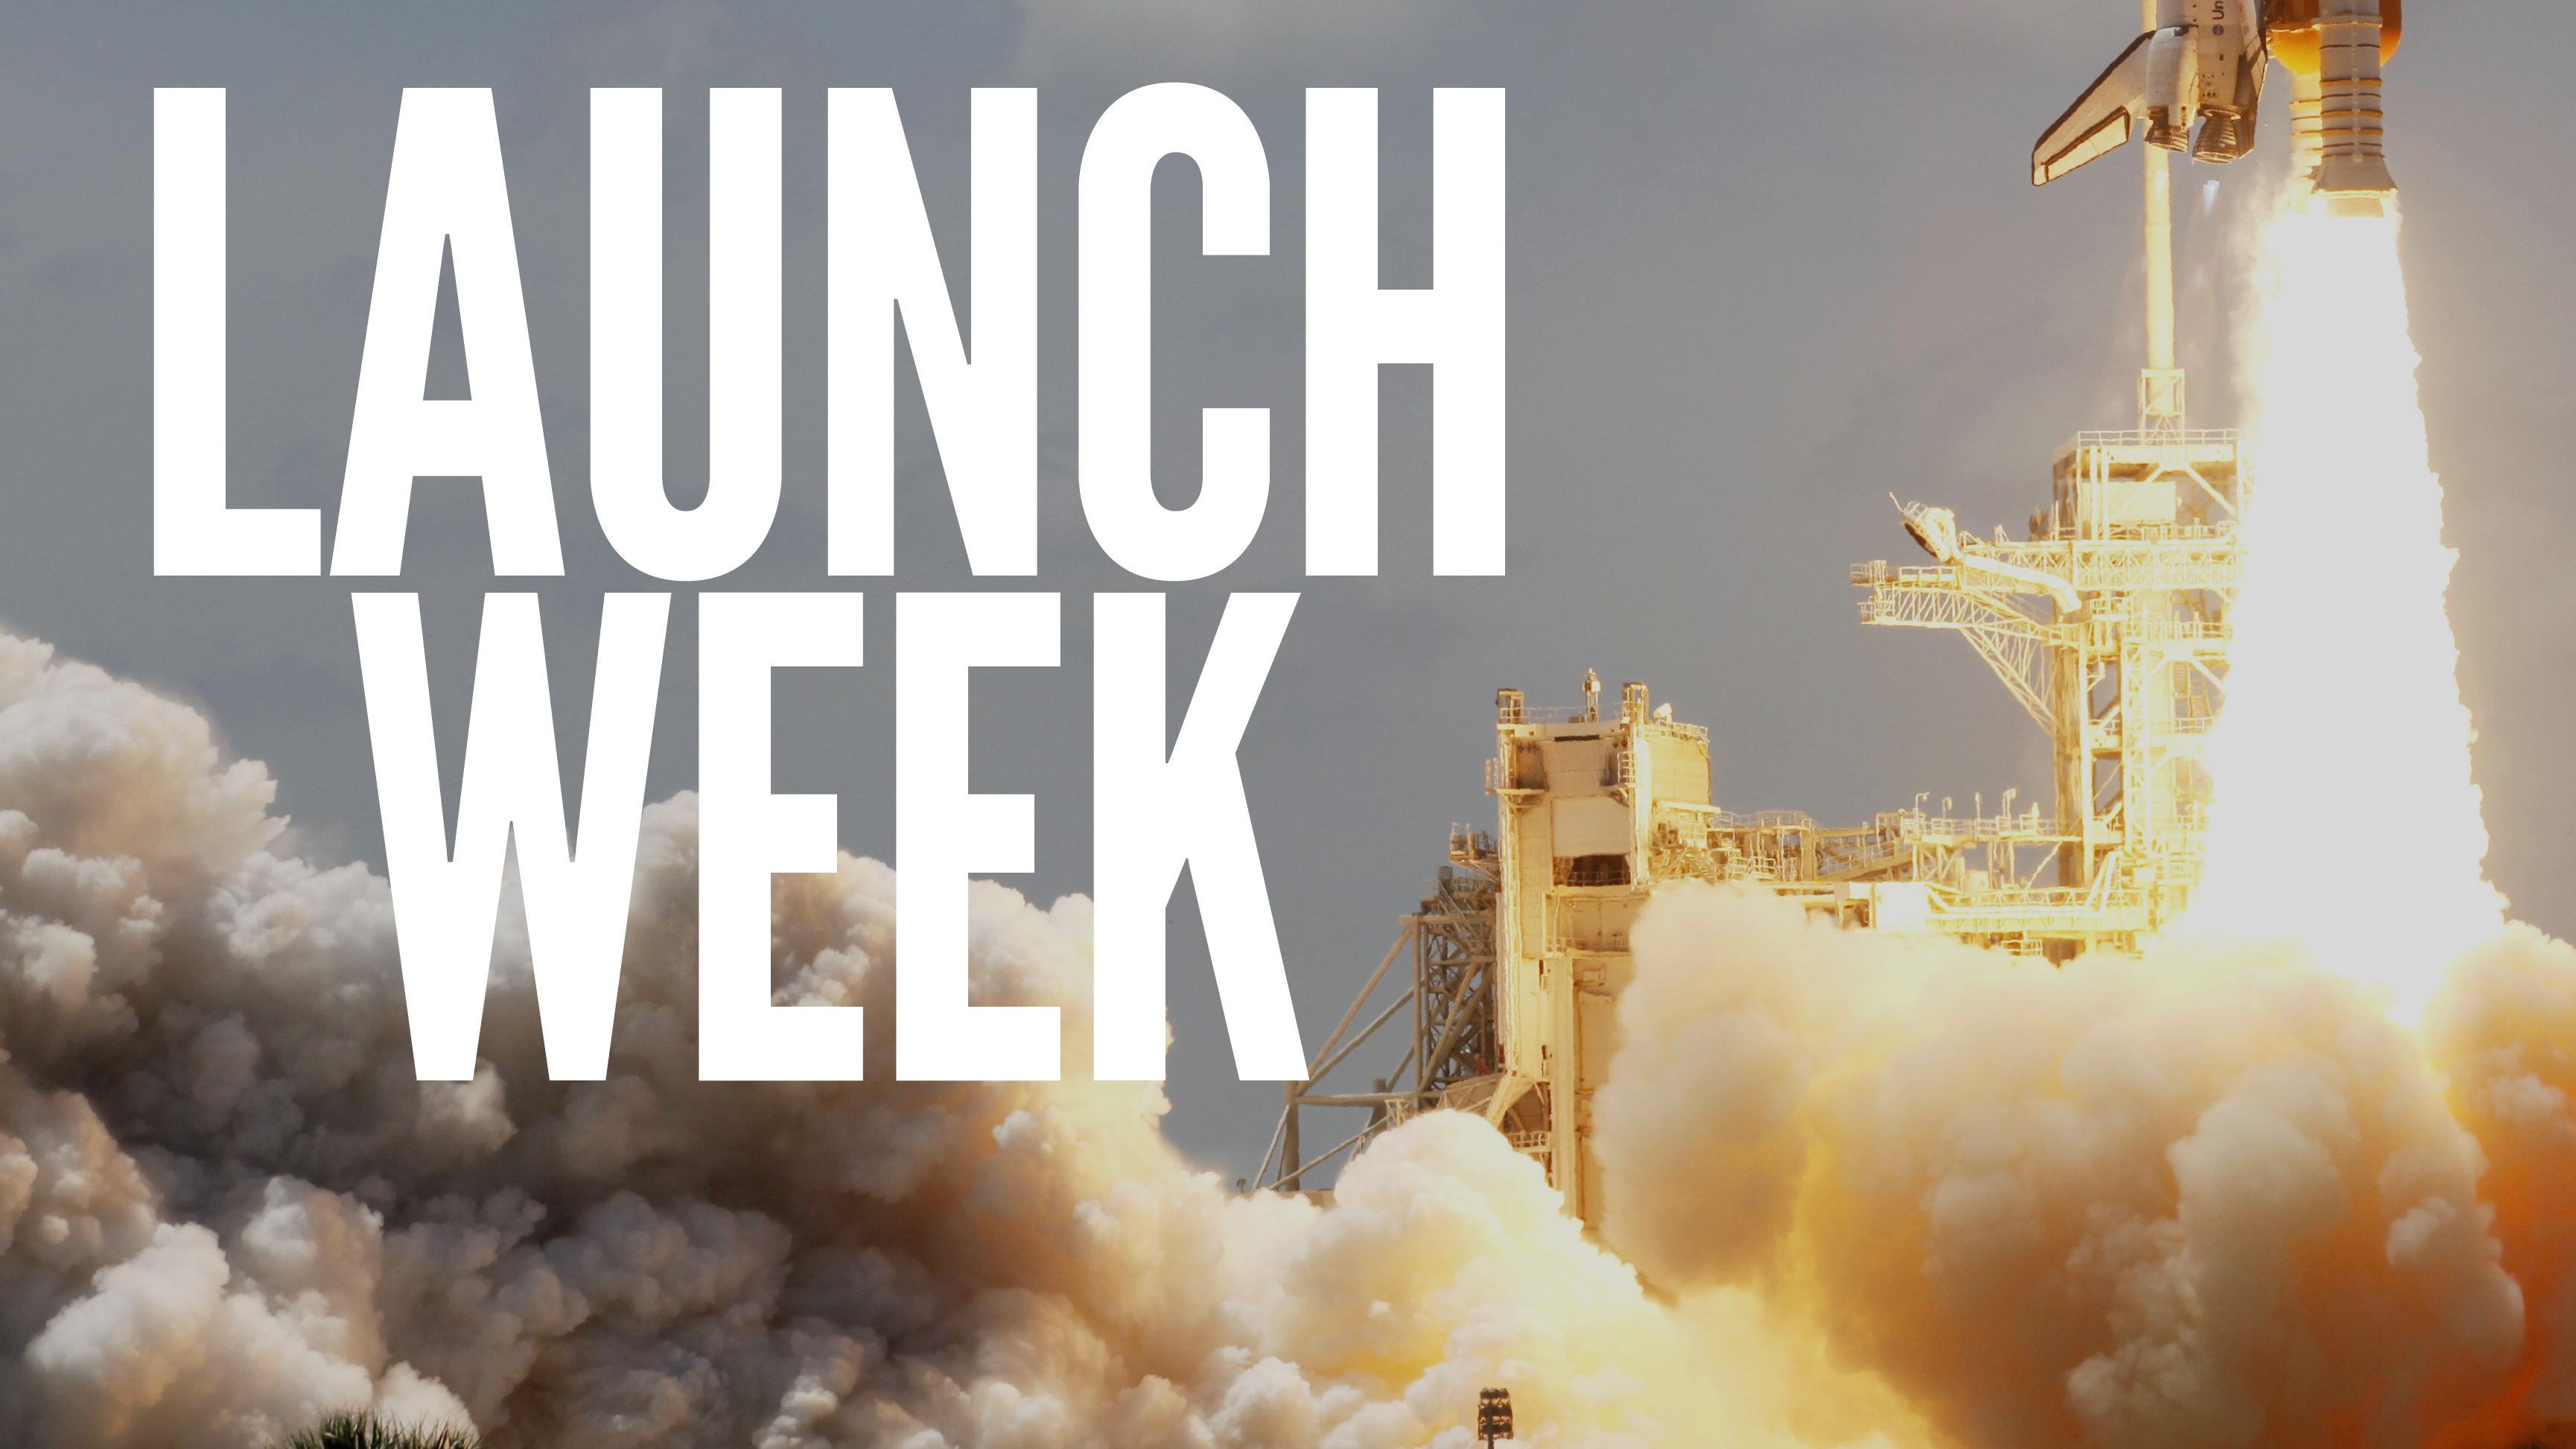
[2107, 620]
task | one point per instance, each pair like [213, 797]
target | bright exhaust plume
[2345, 814]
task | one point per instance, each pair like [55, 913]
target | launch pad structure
[2107, 621]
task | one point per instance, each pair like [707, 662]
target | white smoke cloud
[1888, 1193]
[226, 1207]
[2203, 1198]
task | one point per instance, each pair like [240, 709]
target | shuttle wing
[2100, 120]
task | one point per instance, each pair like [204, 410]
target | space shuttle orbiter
[2195, 83]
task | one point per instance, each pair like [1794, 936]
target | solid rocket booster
[2333, 50]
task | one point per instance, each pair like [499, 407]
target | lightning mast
[2160, 384]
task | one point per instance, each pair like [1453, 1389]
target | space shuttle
[2194, 83]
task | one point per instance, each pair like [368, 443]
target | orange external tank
[2292, 30]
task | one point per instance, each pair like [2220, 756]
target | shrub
[365, 1431]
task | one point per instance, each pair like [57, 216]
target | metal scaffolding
[1454, 1039]
[2108, 622]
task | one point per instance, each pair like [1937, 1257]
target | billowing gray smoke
[226, 1206]
[1891, 1193]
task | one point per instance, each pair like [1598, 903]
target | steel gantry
[2108, 621]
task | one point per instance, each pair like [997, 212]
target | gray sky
[1770, 260]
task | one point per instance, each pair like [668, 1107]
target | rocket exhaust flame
[2232, 1193]
[2342, 754]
